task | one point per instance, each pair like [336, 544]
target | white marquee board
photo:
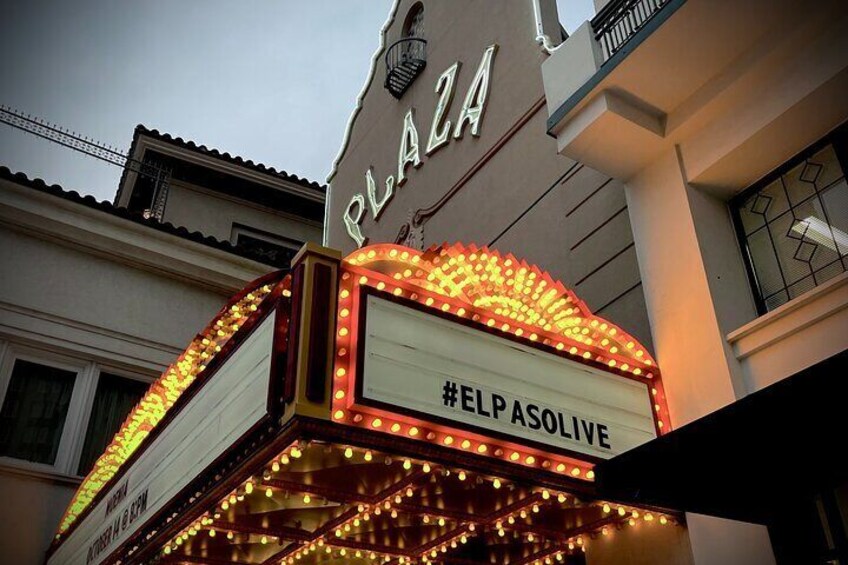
[234, 399]
[446, 371]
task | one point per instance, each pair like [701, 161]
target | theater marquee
[317, 401]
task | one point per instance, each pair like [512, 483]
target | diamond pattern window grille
[793, 226]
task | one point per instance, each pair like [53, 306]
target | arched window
[414, 26]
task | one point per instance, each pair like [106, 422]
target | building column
[686, 309]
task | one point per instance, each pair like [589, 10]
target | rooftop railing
[620, 20]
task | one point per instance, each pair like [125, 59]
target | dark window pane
[34, 411]
[113, 400]
[266, 251]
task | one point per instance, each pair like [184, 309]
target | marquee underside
[320, 501]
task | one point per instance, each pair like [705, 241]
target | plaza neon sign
[409, 151]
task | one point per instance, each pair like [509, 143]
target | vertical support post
[312, 331]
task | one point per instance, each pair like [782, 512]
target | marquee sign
[476, 351]
[459, 347]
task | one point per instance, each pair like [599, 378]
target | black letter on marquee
[533, 414]
[465, 392]
[517, 414]
[498, 404]
[480, 409]
[562, 431]
[603, 436]
[549, 421]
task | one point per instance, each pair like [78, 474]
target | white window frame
[72, 438]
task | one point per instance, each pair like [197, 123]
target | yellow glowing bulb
[307, 499]
[466, 444]
[407, 464]
[248, 488]
[448, 440]
[338, 414]
[607, 509]
[368, 456]
[348, 453]
[461, 475]
[269, 493]
[376, 423]
[395, 427]
[413, 431]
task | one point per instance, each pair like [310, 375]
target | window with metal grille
[793, 225]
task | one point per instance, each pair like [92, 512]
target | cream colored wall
[89, 286]
[214, 214]
[524, 199]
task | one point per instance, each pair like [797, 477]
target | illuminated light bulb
[590, 474]
[284, 460]
[460, 312]
[482, 448]
[395, 427]
[263, 540]
[225, 505]
[637, 371]
[560, 346]
[445, 307]
[530, 537]
[348, 453]
[634, 514]
[573, 351]
[514, 456]
[338, 534]
[381, 285]
[269, 493]
[409, 492]
[368, 456]
[344, 313]
[448, 440]
[363, 279]
[248, 488]
[535, 509]
[413, 431]
[530, 460]
[631, 521]
[167, 549]
[426, 468]
[461, 475]
[341, 372]
[429, 301]
[611, 363]
[491, 322]
[465, 444]
[407, 464]
[398, 291]
[344, 293]
[394, 514]
[621, 511]
[607, 509]
[275, 466]
[560, 467]
[338, 414]
[649, 517]
[660, 423]
[343, 332]
[663, 520]
[501, 533]
[586, 355]
[425, 519]
[296, 452]
[604, 531]
[376, 423]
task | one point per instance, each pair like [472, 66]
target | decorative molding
[93, 231]
[766, 331]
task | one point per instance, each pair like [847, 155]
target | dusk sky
[274, 82]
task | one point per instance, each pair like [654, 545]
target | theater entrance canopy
[397, 406]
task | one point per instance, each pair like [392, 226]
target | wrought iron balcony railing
[405, 59]
[620, 20]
